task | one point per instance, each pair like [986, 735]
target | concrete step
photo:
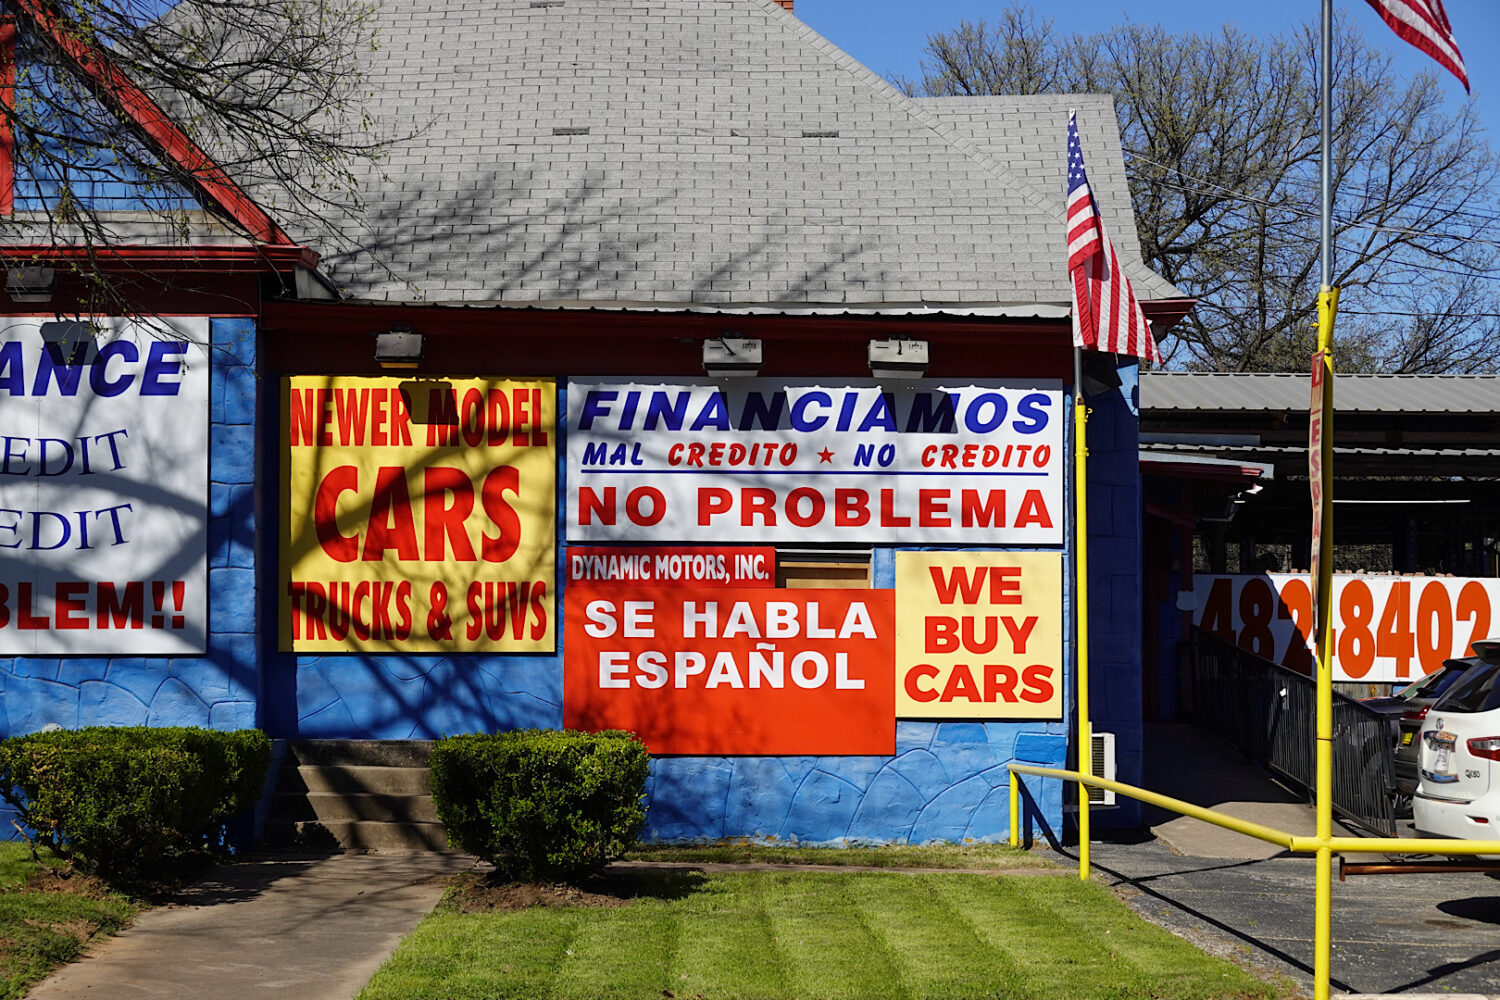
[359, 753]
[356, 778]
[327, 807]
[358, 835]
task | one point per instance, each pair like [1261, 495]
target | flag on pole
[1106, 315]
[1424, 24]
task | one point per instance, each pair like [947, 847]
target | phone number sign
[1386, 629]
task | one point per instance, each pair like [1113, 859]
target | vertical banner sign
[1386, 629]
[927, 462]
[728, 672]
[1315, 429]
[418, 515]
[980, 635]
[103, 486]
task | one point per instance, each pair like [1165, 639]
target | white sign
[1386, 629]
[103, 486]
[758, 460]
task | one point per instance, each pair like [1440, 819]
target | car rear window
[1435, 684]
[1476, 692]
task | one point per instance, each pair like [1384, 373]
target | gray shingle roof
[1024, 135]
[1352, 393]
[684, 153]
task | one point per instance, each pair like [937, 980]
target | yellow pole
[1081, 599]
[1015, 809]
[1328, 303]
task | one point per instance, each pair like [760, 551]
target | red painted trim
[1175, 517]
[173, 142]
[1166, 313]
[322, 337]
[194, 314]
[7, 99]
[1186, 470]
[264, 258]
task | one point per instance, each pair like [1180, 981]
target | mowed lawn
[48, 922]
[797, 935]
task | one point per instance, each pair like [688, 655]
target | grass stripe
[836, 935]
[621, 952]
[1072, 940]
[727, 949]
[935, 954]
[1149, 953]
[1053, 960]
[503, 956]
[828, 953]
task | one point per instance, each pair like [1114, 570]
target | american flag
[1424, 24]
[1106, 315]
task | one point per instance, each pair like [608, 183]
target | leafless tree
[1221, 143]
[267, 93]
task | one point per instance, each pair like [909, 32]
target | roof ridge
[947, 133]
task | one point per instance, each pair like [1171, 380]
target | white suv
[1458, 776]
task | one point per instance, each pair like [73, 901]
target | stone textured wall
[219, 689]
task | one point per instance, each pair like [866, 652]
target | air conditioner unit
[1103, 757]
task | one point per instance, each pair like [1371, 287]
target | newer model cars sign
[927, 462]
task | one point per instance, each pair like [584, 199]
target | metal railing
[1268, 712]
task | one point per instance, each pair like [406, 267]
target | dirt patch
[480, 893]
[66, 881]
[79, 930]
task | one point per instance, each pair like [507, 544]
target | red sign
[734, 672]
[673, 567]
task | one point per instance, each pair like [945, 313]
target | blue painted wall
[1115, 587]
[81, 159]
[947, 781]
[219, 689]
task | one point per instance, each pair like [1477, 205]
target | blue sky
[888, 35]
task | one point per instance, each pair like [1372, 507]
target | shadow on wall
[136, 526]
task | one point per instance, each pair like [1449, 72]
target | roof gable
[673, 154]
[106, 187]
[1027, 136]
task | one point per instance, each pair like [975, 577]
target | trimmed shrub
[130, 801]
[542, 803]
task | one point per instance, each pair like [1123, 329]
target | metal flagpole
[1081, 602]
[1320, 460]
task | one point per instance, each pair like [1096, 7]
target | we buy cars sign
[713, 671]
[977, 463]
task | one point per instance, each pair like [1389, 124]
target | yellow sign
[979, 635]
[418, 515]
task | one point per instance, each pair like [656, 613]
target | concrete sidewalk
[310, 929]
[1189, 764]
[1414, 935]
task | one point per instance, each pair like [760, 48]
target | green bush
[132, 800]
[542, 804]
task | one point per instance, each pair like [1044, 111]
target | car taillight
[1486, 746]
[1415, 714]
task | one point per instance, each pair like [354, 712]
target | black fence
[1270, 713]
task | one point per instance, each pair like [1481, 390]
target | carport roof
[1230, 392]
